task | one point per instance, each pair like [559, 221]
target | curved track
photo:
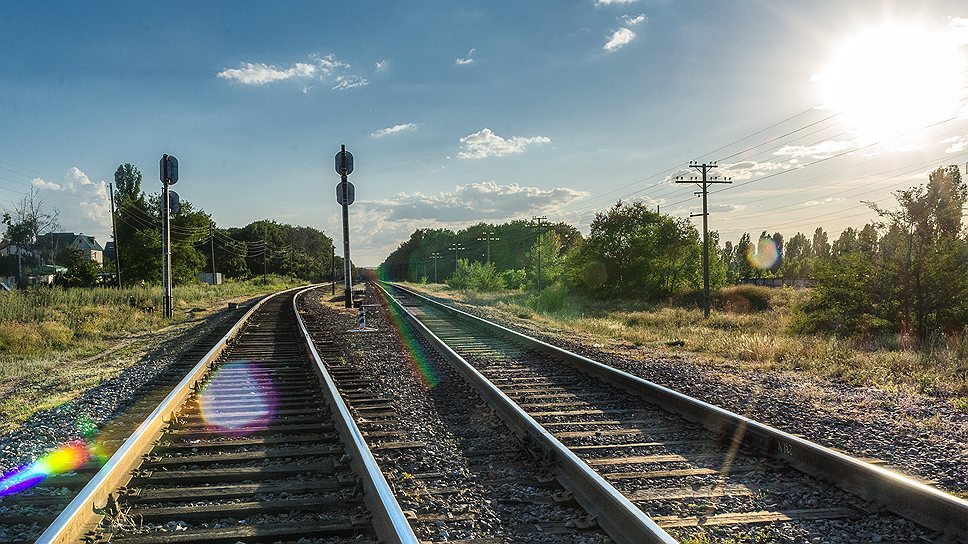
[692, 467]
[254, 445]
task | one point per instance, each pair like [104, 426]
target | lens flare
[69, 457]
[765, 255]
[417, 355]
[239, 398]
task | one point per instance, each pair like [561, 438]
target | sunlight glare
[893, 80]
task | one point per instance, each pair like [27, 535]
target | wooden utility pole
[704, 183]
[488, 238]
[540, 223]
[114, 235]
[436, 257]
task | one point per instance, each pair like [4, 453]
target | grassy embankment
[754, 339]
[50, 337]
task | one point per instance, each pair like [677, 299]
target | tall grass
[47, 335]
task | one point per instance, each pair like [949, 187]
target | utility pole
[705, 183]
[333, 266]
[211, 233]
[114, 235]
[169, 176]
[436, 257]
[456, 248]
[488, 238]
[540, 223]
[265, 261]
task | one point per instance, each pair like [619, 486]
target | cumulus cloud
[44, 184]
[261, 73]
[467, 59]
[822, 150]
[619, 39]
[486, 200]
[91, 196]
[632, 21]
[381, 64]
[485, 143]
[957, 144]
[325, 68]
[406, 127]
[613, 2]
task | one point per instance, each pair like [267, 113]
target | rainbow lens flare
[66, 458]
[416, 354]
[239, 398]
[765, 254]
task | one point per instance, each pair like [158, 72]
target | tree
[27, 222]
[820, 246]
[744, 269]
[635, 251]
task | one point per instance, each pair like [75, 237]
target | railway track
[23, 516]
[690, 467]
[253, 445]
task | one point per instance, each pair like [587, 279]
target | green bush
[553, 298]
[476, 276]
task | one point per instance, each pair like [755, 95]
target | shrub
[476, 276]
[744, 298]
[553, 298]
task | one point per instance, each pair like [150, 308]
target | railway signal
[346, 195]
[706, 181]
[168, 170]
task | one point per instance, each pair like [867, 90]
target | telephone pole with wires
[114, 235]
[541, 223]
[704, 183]
[488, 237]
[211, 231]
[436, 257]
[456, 248]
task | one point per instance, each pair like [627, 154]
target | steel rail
[389, 521]
[896, 492]
[621, 519]
[83, 512]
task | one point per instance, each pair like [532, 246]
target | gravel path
[920, 436]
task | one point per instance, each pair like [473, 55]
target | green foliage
[634, 251]
[476, 277]
[744, 298]
[81, 273]
[554, 298]
[515, 278]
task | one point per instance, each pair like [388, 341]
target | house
[87, 244]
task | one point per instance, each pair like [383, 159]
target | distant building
[9, 248]
[109, 251]
[56, 241]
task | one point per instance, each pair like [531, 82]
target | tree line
[905, 273]
[261, 247]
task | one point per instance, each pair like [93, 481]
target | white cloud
[260, 73]
[381, 64]
[959, 30]
[466, 60]
[822, 150]
[828, 200]
[325, 68]
[744, 170]
[44, 184]
[485, 143]
[632, 21]
[613, 2]
[486, 200]
[619, 39]
[406, 127]
[958, 144]
[349, 82]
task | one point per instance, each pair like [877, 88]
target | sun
[893, 80]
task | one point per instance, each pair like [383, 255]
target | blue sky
[465, 111]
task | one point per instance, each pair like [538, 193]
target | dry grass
[755, 340]
[50, 338]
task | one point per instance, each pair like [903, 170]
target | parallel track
[255, 447]
[686, 464]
